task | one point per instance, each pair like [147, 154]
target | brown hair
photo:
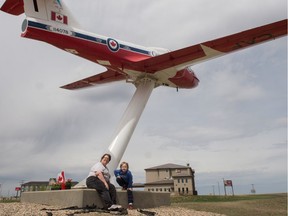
[105, 155]
[124, 163]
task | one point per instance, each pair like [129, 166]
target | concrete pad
[89, 197]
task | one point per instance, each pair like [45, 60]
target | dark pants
[108, 196]
[124, 185]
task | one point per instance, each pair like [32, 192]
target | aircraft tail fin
[48, 10]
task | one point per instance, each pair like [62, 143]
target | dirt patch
[29, 209]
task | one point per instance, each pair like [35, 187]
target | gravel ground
[29, 209]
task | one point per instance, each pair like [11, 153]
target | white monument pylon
[127, 124]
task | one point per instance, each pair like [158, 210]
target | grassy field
[250, 205]
[245, 205]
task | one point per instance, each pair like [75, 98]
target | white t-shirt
[99, 167]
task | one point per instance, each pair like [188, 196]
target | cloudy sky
[232, 126]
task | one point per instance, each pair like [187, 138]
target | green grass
[9, 200]
[255, 205]
[181, 199]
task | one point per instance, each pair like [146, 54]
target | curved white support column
[127, 124]
[129, 121]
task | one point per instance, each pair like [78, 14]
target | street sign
[17, 188]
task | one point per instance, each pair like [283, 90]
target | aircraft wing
[188, 56]
[212, 49]
[105, 77]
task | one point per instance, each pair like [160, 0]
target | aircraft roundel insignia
[113, 45]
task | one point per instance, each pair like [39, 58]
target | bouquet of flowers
[68, 184]
[56, 186]
[61, 183]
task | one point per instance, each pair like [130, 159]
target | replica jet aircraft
[50, 21]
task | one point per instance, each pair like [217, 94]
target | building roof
[35, 183]
[168, 166]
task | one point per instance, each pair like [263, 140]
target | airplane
[50, 21]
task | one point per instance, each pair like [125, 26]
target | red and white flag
[59, 17]
[228, 183]
[61, 177]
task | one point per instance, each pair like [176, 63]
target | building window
[178, 180]
[186, 180]
[187, 190]
[179, 190]
[183, 190]
[182, 180]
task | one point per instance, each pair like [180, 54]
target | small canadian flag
[61, 177]
[59, 17]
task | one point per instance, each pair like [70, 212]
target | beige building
[35, 186]
[173, 178]
[40, 185]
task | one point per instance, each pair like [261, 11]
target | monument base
[89, 197]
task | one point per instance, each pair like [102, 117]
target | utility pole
[22, 189]
[218, 188]
[253, 191]
[224, 186]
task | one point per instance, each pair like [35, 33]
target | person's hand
[118, 177]
[130, 189]
[106, 185]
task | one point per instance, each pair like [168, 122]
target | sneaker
[114, 207]
[130, 206]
